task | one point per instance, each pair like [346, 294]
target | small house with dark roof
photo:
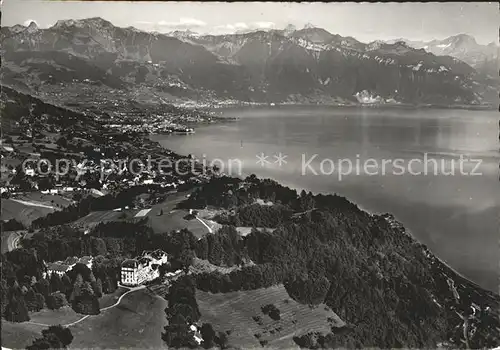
[61, 267]
[58, 268]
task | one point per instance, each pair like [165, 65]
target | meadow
[137, 322]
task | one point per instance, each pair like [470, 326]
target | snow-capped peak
[32, 27]
[309, 26]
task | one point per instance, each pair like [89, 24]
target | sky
[364, 21]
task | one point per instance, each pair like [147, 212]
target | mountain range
[483, 58]
[291, 65]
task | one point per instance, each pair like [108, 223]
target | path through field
[34, 204]
[102, 310]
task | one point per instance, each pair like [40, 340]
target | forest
[386, 286]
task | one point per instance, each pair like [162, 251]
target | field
[31, 206]
[171, 218]
[173, 221]
[96, 217]
[235, 311]
[53, 200]
[137, 322]
[22, 212]
[19, 335]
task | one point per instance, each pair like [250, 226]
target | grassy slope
[136, 322]
[22, 213]
[234, 311]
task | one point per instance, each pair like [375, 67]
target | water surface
[456, 216]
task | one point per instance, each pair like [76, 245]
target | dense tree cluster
[12, 225]
[378, 279]
[307, 289]
[24, 289]
[182, 312]
[113, 238]
[247, 278]
[272, 311]
[85, 293]
[223, 248]
[257, 215]
[54, 337]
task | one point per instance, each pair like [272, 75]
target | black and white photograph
[244, 175]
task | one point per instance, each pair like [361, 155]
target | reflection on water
[456, 216]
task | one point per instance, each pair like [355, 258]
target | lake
[451, 206]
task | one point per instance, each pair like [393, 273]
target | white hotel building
[142, 269]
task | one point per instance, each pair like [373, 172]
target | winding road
[10, 240]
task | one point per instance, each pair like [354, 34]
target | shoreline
[406, 106]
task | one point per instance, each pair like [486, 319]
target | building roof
[144, 261]
[130, 263]
[71, 260]
[158, 254]
[85, 260]
[58, 267]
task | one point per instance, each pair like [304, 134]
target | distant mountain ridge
[484, 58]
[304, 65]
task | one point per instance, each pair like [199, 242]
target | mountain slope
[484, 58]
[303, 65]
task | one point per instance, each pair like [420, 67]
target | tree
[16, 310]
[185, 259]
[221, 340]
[98, 288]
[208, 334]
[77, 288]
[34, 301]
[98, 246]
[56, 301]
[66, 285]
[62, 142]
[43, 287]
[179, 335]
[4, 289]
[40, 301]
[62, 333]
[84, 299]
[56, 284]
[55, 337]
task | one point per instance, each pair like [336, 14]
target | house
[143, 268]
[57, 268]
[197, 335]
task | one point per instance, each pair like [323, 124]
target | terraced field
[236, 311]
